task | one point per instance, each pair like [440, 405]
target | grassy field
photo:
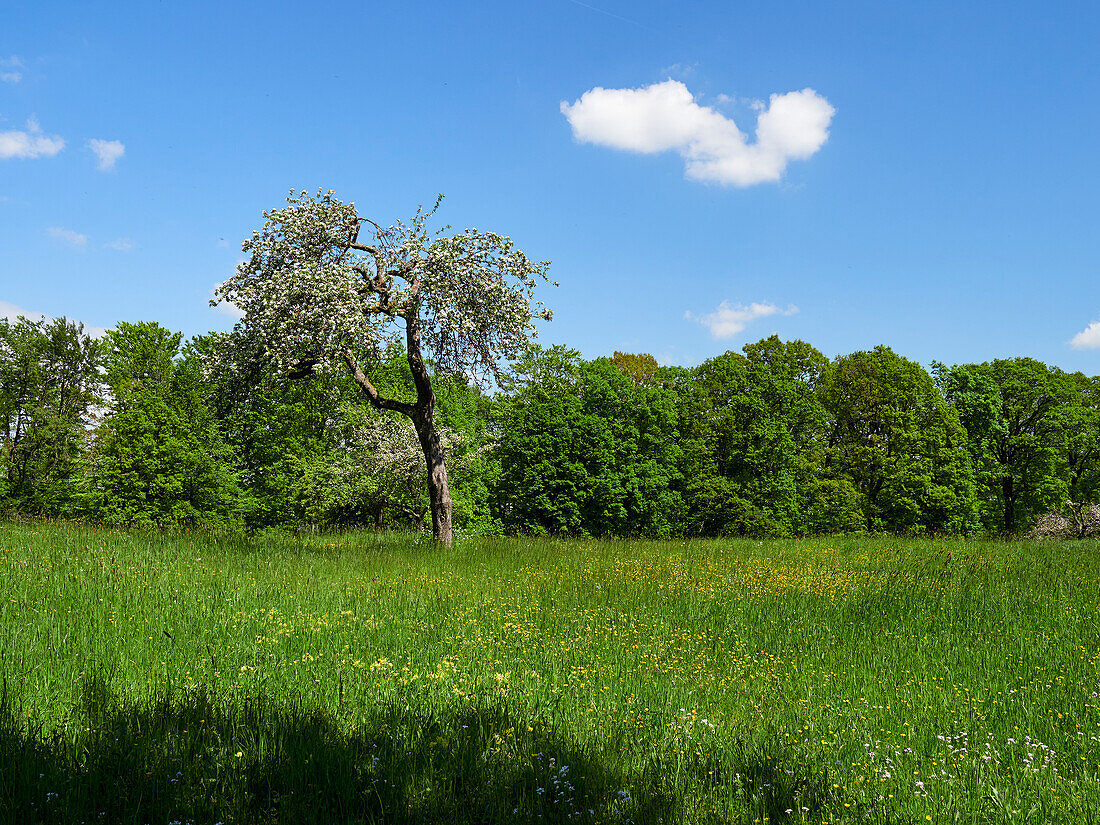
[367, 677]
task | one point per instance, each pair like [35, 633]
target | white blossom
[311, 288]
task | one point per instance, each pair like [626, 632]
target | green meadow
[373, 677]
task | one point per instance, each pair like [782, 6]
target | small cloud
[11, 312]
[225, 307]
[682, 71]
[10, 69]
[30, 143]
[120, 244]
[74, 239]
[730, 319]
[665, 117]
[107, 151]
[668, 358]
[1088, 338]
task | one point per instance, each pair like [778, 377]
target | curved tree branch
[376, 400]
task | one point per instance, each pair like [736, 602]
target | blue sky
[935, 192]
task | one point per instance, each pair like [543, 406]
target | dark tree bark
[1009, 498]
[422, 415]
[423, 418]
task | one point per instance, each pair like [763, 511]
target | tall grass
[372, 677]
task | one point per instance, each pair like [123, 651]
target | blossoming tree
[316, 295]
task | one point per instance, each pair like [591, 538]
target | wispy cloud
[107, 152]
[1088, 338]
[30, 143]
[730, 319]
[120, 244]
[11, 312]
[672, 358]
[680, 71]
[74, 239]
[609, 14]
[665, 117]
[11, 69]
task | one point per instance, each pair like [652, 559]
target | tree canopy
[899, 443]
[1016, 412]
[313, 293]
[316, 296]
[49, 384]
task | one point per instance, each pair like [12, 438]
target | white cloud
[670, 358]
[1088, 338]
[120, 244]
[680, 70]
[68, 236]
[29, 144]
[11, 312]
[9, 69]
[225, 307]
[730, 319]
[107, 151]
[665, 117]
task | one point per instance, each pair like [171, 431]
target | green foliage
[640, 368]
[773, 441]
[312, 451]
[160, 459]
[833, 505]
[48, 385]
[899, 444]
[585, 450]
[1016, 412]
[1079, 416]
[753, 434]
[280, 431]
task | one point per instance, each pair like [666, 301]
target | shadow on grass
[759, 787]
[190, 757]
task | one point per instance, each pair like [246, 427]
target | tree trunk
[423, 418]
[1009, 497]
[439, 491]
[1079, 512]
[422, 414]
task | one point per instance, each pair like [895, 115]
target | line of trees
[142, 428]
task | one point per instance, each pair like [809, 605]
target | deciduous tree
[48, 385]
[1012, 412]
[323, 287]
[585, 450]
[753, 433]
[160, 459]
[899, 443]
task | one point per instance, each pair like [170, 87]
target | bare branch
[376, 400]
[362, 247]
[378, 229]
